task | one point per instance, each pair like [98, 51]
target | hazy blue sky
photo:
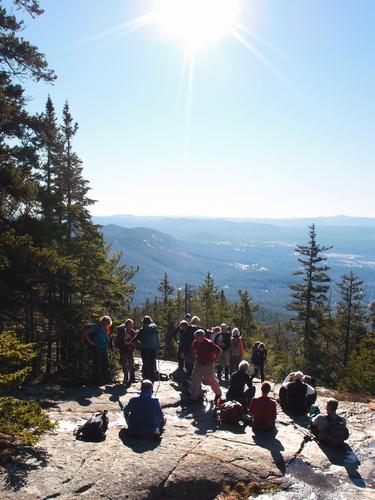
[254, 144]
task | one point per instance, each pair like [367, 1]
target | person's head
[105, 321]
[217, 329]
[298, 376]
[331, 406]
[307, 379]
[147, 320]
[261, 346]
[187, 317]
[199, 335]
[265, 388]
[146, 386]
[243, 366]
[223, 327]
[195, 320]
[129, 323]
[235, 332]
[291, 377]
[256, 344]
[184, 324]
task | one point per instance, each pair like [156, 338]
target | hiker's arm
[86, 335]
[310, 390]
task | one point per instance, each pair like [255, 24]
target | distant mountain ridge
[255, 256]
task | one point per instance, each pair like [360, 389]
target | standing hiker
[125, 342]
[97, 336]
[148, 337]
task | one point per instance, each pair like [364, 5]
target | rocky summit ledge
[196, 458]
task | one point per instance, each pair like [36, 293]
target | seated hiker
[143, 413]
[297, 391]
[205, 354]
[310, 398]
[283, 393]
[263, 410]
[238, 380]
[331, 428]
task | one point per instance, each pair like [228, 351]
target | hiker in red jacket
[205, 354]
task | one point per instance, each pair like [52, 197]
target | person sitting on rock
[330, 429]
[205, 354]
[143, 413]
[283, 393]
[310, 398]
[238, 380]
[263, 410]
[297, 392]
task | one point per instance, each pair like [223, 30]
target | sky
[279, 123]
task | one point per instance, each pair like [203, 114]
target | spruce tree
[243, 315]
[309, 298]
[208, 298]
[350, 314]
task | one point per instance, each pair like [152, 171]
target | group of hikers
[202, 356]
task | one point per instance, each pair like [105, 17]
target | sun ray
[262, 59]
[247, 31]
[119, 30]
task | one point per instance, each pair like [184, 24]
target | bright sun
[196, 24]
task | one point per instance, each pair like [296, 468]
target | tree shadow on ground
[200, 414]
[138, 445]
[84, 394]
[18, 468]
[267, 440]
[116, 391]
[344, 456]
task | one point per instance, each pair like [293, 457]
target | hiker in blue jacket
[143, 413]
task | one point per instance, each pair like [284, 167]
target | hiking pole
[158, 370]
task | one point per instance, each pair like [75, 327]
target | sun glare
[196, 24]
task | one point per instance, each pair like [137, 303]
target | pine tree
[208, 297]
[24, 420]
[309, 297]
[167, 310]
[243, 316]
[350, 315]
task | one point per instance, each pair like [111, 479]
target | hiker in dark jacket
[148, 337]
[258, 358]
[238, 380]
[297, 392]
[223, 340]
[186, 340]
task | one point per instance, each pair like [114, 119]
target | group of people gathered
[203, 355]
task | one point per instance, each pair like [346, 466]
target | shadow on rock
[116, 391]
[17, 469]
[84, 394]
[344, 456]
[201, 414]
[138, 445]
[267, 440]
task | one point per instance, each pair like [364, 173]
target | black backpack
[337, 432]
[94, 428]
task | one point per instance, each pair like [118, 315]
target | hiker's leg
[179, 357]
[153, 369]
[261, 368]
[131, 367]
[212, 381]
[196, 379]
[105, 365]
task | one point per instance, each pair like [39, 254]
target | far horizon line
[212, 217]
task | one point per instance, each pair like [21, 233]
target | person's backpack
[337, 432]
[230, 412]
[94, 428]
[236, 346]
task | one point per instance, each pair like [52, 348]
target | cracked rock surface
[196, 457]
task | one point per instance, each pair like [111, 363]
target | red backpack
[230, 412]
